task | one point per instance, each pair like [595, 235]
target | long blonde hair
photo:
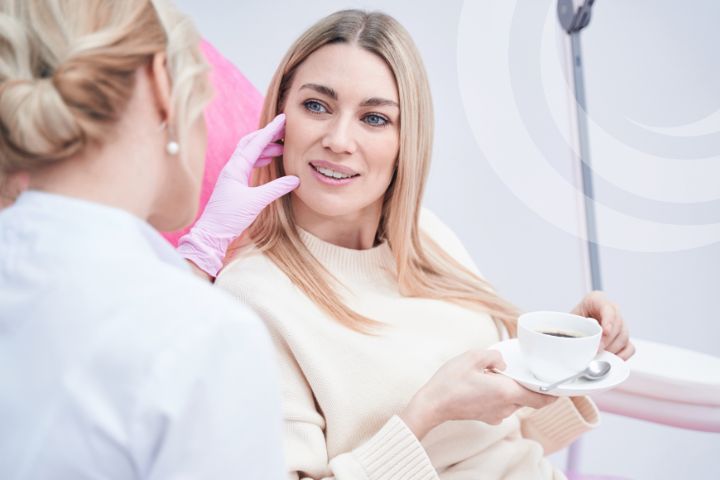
[423, 267]
[67, 70]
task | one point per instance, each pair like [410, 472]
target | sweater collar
[368, 264]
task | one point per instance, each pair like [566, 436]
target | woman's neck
[356, 230]
[111, 176]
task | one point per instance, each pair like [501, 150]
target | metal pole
[585, 165]
[573, 21]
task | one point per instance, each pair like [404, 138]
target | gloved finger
[269, 192]
[249, 150]
[279, 133]
[266, 135]
[240, 164]
[272, 150]
[263, 161]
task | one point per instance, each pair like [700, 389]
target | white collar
[93, 222]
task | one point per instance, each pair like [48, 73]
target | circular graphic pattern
[657, 187]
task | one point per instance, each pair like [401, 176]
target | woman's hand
[615, 336]
[233, 205]
[465, 389]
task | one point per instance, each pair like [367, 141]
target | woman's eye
[376, 120]
[315, 107]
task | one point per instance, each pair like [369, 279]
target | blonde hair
[423, 267]
[67, 70]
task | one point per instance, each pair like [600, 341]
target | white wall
[503, 172]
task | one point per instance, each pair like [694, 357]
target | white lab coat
[116, 362]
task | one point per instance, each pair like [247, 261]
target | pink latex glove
[233, 205]
[233, 113]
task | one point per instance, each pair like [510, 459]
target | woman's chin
[332, 212]
[324, 205]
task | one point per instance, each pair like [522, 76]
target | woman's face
[342, 130]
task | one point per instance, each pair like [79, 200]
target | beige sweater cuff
[393, 453]
[561, 422]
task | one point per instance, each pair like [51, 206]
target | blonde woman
[115, 361]
[379, 316]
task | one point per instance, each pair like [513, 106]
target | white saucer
[518, 371]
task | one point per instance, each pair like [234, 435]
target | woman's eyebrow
[370, 102]
[379, 102]
[321, 89]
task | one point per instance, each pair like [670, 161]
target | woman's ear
[161, 86]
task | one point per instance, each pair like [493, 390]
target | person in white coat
[116, 361]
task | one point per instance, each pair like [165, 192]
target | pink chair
[233, 112]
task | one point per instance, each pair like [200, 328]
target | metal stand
[573, 21]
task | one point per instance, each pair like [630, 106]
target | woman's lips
[331, 173]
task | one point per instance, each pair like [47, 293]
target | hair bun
[36, 125]
[68, 70]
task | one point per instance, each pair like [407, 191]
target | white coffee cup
[549, 354]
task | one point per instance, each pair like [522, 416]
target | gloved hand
[233, 205]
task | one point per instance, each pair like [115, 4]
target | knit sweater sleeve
[393, 453]
[557, 425]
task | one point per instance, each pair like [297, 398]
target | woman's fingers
[610, 322]
[616, 335]
[513, 394]
[596, 305]
[488, 360]
[528, 398]
[619, 343]
[627, 352]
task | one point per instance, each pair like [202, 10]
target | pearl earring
[172, 148]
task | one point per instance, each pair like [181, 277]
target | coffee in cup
[562, 333]
[557, 345]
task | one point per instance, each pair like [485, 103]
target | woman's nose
[339, 136]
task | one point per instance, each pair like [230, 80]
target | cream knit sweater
[343, 389]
